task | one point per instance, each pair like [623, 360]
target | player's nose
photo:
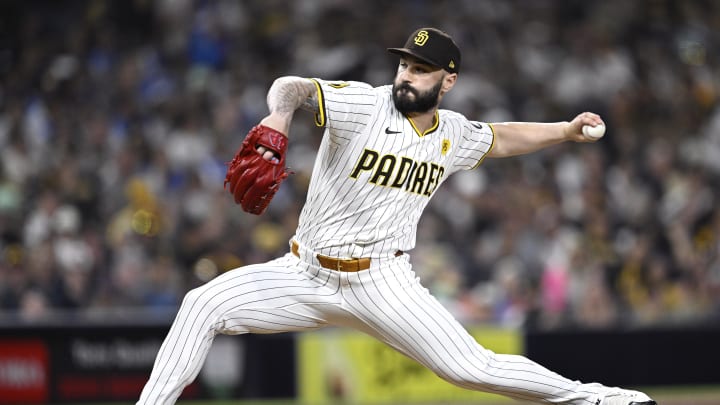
[404, 76]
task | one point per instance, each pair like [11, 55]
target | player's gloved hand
[253, 180]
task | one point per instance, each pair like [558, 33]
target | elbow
[498, 150]
[280, 83]
[295, 82]
[283, 81]
[289, 92]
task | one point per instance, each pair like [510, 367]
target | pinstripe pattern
[346, 217]
[400, 312]
[350, 212]
[253, 299]
[387, 302]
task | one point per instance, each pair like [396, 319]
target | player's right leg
[266, 298]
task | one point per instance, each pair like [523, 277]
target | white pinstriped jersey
[375, 172]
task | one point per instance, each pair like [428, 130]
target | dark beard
[423, 101]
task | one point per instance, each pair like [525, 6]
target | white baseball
[595, 132]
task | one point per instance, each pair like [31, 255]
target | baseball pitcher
[385, 152]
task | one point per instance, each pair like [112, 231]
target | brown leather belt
[334, 263]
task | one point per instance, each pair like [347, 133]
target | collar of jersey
[429, 130]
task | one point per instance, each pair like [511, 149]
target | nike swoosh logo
[476, 125]
[388, 131]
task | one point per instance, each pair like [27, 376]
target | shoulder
[455, 119]
[346, 101]
[451, 115]
[348, 91]
[343, 86]
[459, 123]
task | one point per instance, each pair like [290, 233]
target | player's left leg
[395, 308]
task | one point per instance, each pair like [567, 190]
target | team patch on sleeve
[338, 85]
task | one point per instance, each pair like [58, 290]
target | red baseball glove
[252, 180]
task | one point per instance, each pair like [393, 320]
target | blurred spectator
[116, 119]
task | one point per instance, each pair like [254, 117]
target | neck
[423, 121]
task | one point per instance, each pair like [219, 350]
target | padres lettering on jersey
[374, 171]
[412, 176]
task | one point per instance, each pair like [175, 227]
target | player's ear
[448, 81]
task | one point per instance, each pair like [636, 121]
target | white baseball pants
[387, 302]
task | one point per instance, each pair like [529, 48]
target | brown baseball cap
[432, 46]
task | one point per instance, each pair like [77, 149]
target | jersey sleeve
[476, 142]
[344, 108]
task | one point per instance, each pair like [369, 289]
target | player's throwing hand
[586, 127]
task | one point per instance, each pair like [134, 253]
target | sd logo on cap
[432, 46]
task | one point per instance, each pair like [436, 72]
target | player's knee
[472, 372]
[205, 302]
[195, 298]
[468, 379]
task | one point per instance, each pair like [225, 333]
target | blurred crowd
[117, 118]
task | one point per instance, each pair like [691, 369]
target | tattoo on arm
[287, 94]
[311, 104]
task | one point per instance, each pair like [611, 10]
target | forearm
[286, 95]
[519, 138]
